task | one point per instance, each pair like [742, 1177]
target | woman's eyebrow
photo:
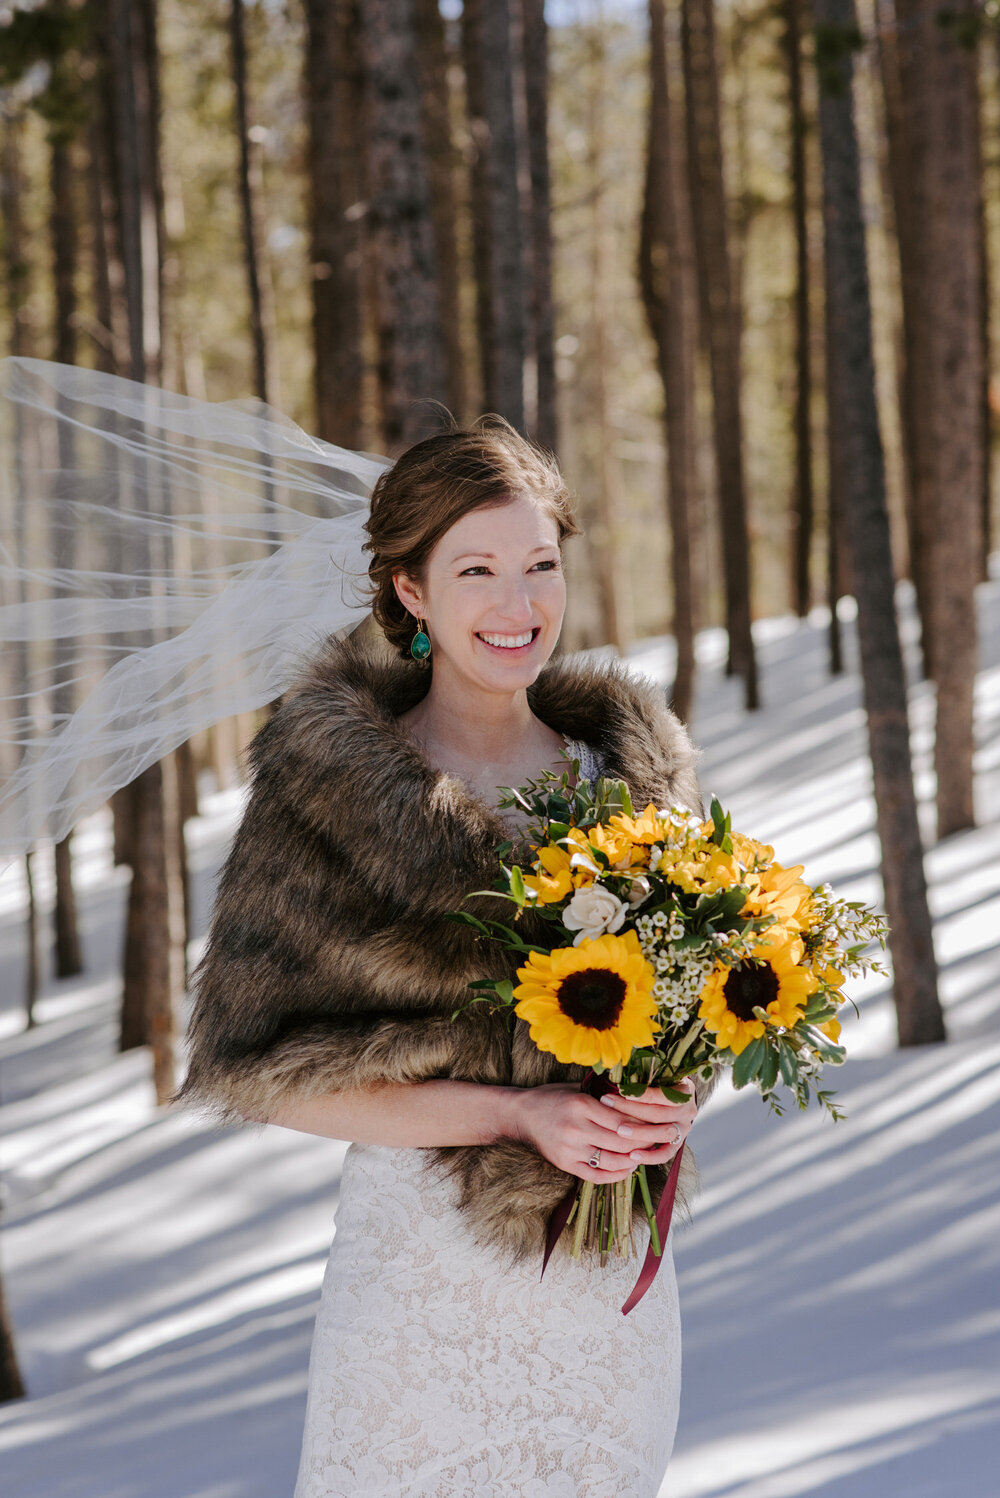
[491, 557]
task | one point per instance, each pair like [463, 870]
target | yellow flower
[776, 891]
[775, 982]
[617, 844]
[831, 1028]
[591, 1003]
[699, 870]
[555, 875]
[645, 828]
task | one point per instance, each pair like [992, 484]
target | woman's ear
[407, 594]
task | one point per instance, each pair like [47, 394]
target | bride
[179, 554]
[441, 1363]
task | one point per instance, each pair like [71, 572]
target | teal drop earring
[420, 645]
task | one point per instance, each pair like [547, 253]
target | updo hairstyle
[433, 484]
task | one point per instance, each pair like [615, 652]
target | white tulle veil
[165, 562]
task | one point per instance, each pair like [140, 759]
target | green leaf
[786, 1061]
[748, 1061]
[505, 990]
[517, 885]
[769, 1068]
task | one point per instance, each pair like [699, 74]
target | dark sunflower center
[594, 997]
[750, 983]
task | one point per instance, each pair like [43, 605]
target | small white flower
[592, 911]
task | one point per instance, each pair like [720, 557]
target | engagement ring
[594, 1160]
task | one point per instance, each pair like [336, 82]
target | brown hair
[433, 484]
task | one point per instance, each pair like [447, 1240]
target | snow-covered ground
[839, 1283]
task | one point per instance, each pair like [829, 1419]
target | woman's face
[494, 595]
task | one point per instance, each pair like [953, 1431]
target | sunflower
[589, 1004]
[775, 982]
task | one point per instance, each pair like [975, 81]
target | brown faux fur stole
[329, 964]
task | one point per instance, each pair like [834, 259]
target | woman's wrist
[507, 1116]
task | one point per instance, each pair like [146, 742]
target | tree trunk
[669, 288]
[610, 531]
[411, 363]
[17, 278]
[11, 1382]
[534, 32]
[721, 315]
[263, 332]
[442, 160]
[479, 193]
[851, 394]
[334, 90]
[506, 288]
[939, 107]
[63, 228]
[802, 529]
[154, 957]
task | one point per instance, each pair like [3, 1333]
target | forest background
[735, 264]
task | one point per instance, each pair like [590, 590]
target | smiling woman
[330, 999]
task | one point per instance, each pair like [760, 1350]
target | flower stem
[582, 1218]
[647, 1203]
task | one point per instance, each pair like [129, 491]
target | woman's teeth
[509, 642]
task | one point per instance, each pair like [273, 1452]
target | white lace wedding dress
[436, 1373]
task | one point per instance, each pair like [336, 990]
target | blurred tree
[855, 428]
[721, 319]
[501, 258]
[802, 509]
[411, 362]
[669, 286]
[442, 160]
[17, 280]
[337, 216]
[11, 1382]
[263, 333]
[535, 52]
[154, 959]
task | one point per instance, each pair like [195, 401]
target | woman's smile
[511, 644]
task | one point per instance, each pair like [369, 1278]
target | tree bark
[851, 394]
[938, 136]
[63, 229]
[535, 35]
[668, 281]
[504, 353]
[154, 957]
[337, 233]
[802, 529]
[17, 279]
[11, 1382]
[721, 316]
[411, 363]
[442, 160]
[263, 332]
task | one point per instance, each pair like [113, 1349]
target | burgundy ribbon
[596, 1086]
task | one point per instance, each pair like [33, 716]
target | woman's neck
[472, 725]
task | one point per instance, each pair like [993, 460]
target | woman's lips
[511, 649]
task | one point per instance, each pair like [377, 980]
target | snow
[838, 1282]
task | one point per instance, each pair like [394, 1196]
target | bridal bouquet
[673, 946]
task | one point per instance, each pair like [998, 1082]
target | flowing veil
[165, 562]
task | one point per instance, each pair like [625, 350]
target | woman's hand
[570, 1128]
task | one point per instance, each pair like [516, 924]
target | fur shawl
[328, 963]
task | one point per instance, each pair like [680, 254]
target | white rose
[592, 911]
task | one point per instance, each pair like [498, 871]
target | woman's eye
[481, 567]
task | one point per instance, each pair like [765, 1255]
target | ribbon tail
[664, 1213]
